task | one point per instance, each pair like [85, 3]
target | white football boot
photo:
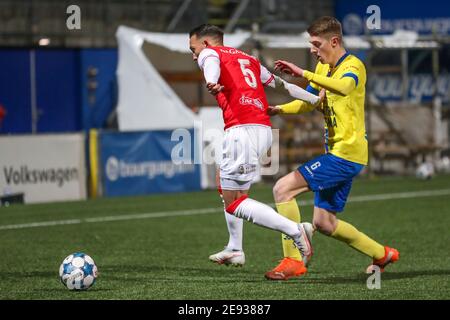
[304, 241]
[229, 257]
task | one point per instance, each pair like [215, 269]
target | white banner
[43, 167]
[146, 100]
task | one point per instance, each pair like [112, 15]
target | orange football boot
[391, 255]
[287, 268]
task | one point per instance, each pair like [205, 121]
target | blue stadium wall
[413, 15]
[62, 93]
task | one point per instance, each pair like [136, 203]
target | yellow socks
[291, 211]
[347, 233]
[344, 232]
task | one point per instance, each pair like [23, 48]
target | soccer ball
[425, 171]
[78, 271]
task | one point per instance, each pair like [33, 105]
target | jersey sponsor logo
[251, 101]
[350, 68]
[330, 116]
[234, 51]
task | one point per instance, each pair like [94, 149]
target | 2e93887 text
[239, 309]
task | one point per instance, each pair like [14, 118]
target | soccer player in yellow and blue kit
[329, 176]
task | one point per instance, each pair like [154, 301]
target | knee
[324, 226]
[228, 197]
[280, 192]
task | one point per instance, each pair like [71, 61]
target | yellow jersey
[343, 108]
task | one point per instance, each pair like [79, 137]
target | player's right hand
[322, 97]
[214, 88]
[289, 68]
[273, 110]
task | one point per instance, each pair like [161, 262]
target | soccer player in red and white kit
[237, 80]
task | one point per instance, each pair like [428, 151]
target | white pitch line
[161, 214]
[40, 224]
[164, 214]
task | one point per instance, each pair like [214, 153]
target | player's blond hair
[326, 27]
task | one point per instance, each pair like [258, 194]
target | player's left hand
[289, 68]
[273, 110]
[214, 88]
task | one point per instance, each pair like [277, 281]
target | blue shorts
[330, 178]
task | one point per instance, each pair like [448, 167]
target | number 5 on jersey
[249, 76]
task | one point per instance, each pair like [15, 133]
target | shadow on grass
[29, 274]
[63, 290]
[216, 273]
[210, 268]
[386, 276]
[414, 274]
[223, 274]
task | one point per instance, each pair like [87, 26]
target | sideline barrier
[44, 168]
[137, 163]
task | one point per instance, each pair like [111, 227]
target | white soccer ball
[425, 171]
[78, 271]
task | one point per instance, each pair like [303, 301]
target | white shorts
[242, 148]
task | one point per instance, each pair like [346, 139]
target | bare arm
[297, 106]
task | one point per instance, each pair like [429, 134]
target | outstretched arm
[293, 107]
[341, 86]
[273, 81]
[296, 106]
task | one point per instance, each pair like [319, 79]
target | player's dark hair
[325, 26]
[207, 30]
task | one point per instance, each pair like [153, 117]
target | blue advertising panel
[422, 17]
[136, 163]
[420, 87]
